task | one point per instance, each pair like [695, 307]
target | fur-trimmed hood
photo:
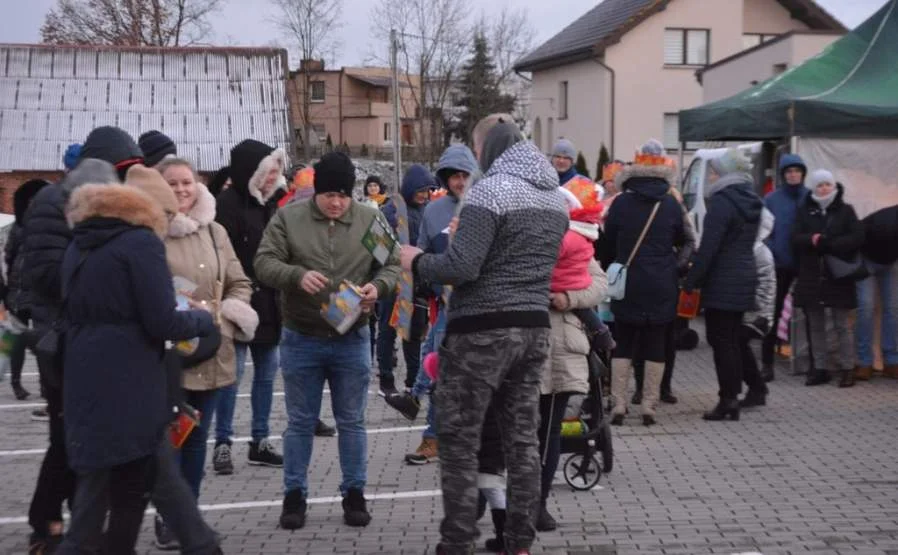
[116, 202]
[201, 215]
[666, 173]
[250, 161]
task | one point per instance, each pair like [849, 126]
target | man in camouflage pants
[497, 337]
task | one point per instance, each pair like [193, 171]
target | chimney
[311, 65]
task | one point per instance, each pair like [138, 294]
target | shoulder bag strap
[645, 230]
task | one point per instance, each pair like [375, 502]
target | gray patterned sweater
[501, 259]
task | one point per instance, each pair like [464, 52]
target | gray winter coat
[765, 297]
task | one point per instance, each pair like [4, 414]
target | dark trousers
[55, 481]
[193, 452]
[784, 279]
[123, 490]
[17, 354]
[723, 327]
[386, 338]
[176, 504]
[551, 413]
[750, 372]
[670, 359]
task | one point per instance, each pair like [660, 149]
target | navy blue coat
[785, 203]
[724, 266]
[651, 296]
[417, 178]
[120, 311]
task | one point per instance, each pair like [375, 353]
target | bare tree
[511, 36]
[129, 22]
[310, 26]
[434, 36]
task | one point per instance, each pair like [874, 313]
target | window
[779, 68]
[672, 134]
[562, 100]
[686, 47]
[320, 131]
[317, 91]
[387, 136]
[750, 40]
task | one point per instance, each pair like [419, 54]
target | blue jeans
[423, 384]
[345, 362]
[193, 452]
[887, 279]
[265, 360]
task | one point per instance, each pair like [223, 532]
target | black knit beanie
[155, 146]
[334, 173]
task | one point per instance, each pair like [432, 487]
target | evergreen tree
[329, 144]
[604, 158]
[581, 165]
[480, 92]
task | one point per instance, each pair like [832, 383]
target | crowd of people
[521, 268]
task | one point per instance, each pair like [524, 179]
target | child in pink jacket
[571, 272]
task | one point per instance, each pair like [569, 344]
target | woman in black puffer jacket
[826, 225]
[724, 270]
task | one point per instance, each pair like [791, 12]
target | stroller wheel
[581, 472]
[606, 447]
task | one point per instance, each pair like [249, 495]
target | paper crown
[653, 160]
[304, 178]
[439, 193]
[585, 190]
[611, 170]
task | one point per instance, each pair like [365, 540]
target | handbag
[853, 269]
[617, 272]
[49, 347]
[198, 350]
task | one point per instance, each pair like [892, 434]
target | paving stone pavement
[816, 471]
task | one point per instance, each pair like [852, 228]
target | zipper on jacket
[331, 238]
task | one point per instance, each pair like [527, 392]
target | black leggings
[551, 413]
[723, 328]
[645, 341]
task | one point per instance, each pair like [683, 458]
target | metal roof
[378, 81]
[205, 99]
[603, 26]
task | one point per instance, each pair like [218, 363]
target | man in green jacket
[309, 248]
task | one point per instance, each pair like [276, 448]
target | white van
[696, 177]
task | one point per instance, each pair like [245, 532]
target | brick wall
[10, 181]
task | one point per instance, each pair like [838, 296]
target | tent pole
[793, 141]
[681, 156]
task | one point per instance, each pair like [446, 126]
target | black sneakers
[293, 515]
[355, 512]
[387, 386]
[323, 430]
[405, 403]
[222, 463]
[165, 539]
[263, 453]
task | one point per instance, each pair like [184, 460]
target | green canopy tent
[850, 90]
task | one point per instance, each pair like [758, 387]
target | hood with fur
[250, 161]
[649, 181]
[116, 202]
[201, 215]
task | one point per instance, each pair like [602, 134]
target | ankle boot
[818, 377]
[497, 544]
[754, 399]
[726, 408]
[847, 378]
[620, 378]
[654, 371]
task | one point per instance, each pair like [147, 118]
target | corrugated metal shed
[205, 99]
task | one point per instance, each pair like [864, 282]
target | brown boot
[651, 389]
[621, 370]
[890, 371]
[863, 373]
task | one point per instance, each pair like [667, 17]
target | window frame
[564, 88]
[388, 135]
[684, 31]
[762, 37]
[312, 85]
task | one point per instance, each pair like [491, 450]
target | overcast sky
[245, 22]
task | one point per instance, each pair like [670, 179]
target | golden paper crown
[585, 190]
[611, 170]
[653, 160]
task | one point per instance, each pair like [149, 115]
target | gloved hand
[603, 341]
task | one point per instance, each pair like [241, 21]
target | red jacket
[571, 272]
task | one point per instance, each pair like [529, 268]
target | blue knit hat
[71, 156]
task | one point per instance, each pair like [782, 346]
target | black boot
[818, 377]
[847, 378]
[726, 408]
[754, 399]
[497, 544]
[544, 521]
[20, 392]
[767, 373]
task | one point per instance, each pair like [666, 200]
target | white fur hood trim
[277, 156]
[588, 230]
[201, 215]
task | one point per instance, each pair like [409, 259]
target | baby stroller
[586, 432]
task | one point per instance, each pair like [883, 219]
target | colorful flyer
[379, 241]
[344, 307]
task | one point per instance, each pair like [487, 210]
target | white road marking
[372, 431]
[396, 495]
